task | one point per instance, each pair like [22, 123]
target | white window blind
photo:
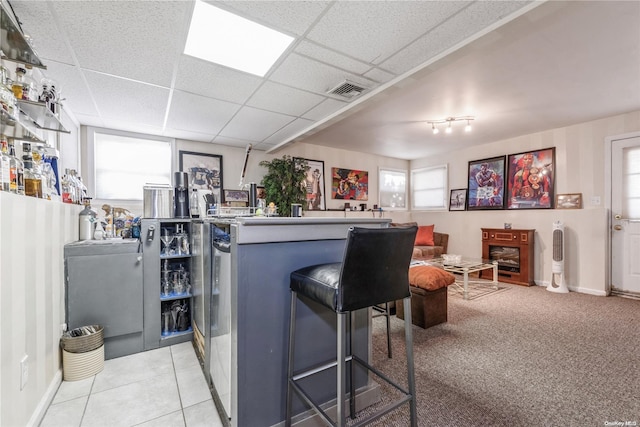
[428, 188]
[124, 164]
[393, 189]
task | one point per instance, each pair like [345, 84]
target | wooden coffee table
[466, 266]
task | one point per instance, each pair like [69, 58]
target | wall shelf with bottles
[17, 129]
[41, 115]
[13, 44]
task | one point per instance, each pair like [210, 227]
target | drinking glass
[167, 238]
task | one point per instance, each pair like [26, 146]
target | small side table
[466, 266]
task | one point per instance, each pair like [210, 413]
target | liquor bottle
[5, 165]
[16, 172]
[194, 205]
[32, 178]
[66, 187]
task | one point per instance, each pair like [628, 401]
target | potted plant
[283, 182]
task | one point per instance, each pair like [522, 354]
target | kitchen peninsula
[263, 253]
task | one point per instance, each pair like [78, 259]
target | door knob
[618, 216]
[617, 227]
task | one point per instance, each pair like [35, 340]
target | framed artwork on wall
[314, 185]
[458, 200]
[349, 184]
[531, 179]
[239, 198]
[205, 171]
[569, 201]
[486, 184]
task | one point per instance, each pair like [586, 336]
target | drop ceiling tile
[373, 31]
[90, 120]
[111, 37]
[462, 26]
[327, 56]
[326, 108]
[283, 99]
[233, 142]
[263, 124]
[291, 16]
[199, 114]
[127, 100]
[379, 75]
[73, 90]
[304, 73]
[204, 78]
[49, 43]
[188, 135]
[289, 131]
[132, 126]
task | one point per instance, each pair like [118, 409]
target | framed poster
[486, 184]
[238, 198]
[569, 201]
[458, 200]
[314, 185]
[205, 171]
[531, 183]
[349, 184]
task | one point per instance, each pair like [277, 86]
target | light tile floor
[163, 387]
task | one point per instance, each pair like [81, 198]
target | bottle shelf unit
[13, 44]
[40, 115]
[164, 325]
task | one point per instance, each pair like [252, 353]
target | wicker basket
[86, 342]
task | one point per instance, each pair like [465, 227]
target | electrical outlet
[595, 200]
[24, 371]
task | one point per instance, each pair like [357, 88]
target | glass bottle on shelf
[32, 178]
[16, 172]
[5, 165]
[18, 83]
[194, 206]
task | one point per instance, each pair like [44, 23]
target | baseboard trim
[578, 289]
[47, 398]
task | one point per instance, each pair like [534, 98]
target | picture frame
[349, 184]
[314, 185]
[569, 201]
[205, 171]
[531, 179]
[261, 192]
[236, 198]
[486, 184]
[458, 200]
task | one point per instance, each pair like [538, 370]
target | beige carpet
[522, 357]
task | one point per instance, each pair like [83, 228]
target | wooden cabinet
[513, 249]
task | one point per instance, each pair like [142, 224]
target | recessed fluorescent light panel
[227, 39]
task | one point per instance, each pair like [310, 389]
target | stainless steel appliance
[212, 305]
[181, 195]
[158, 201]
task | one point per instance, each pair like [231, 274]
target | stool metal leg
[352, 375]
[341, 374]
[292, 333]
[387, 314]
[408, 337]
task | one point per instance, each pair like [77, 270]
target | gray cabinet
[104, 287]
[160, 327]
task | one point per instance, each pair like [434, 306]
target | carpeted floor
[522, 357]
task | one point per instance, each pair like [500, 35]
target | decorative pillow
[403, 224]
[430, 278]
[424, 237]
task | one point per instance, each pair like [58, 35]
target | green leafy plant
[283, 182]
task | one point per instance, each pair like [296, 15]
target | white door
[625, 211]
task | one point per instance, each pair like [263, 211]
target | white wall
[33, 233]
[579, 168]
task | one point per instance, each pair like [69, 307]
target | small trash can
[82, 352]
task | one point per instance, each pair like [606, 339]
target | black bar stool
[374, 271]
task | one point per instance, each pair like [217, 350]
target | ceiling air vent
[347, 89]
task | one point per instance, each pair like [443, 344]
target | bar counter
[264, 251]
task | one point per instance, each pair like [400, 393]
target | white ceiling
[519, 67]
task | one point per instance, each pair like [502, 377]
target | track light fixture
[448, 121]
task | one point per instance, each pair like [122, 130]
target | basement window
[123, 163]
[429, 188]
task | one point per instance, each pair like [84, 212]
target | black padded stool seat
[374, 271]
